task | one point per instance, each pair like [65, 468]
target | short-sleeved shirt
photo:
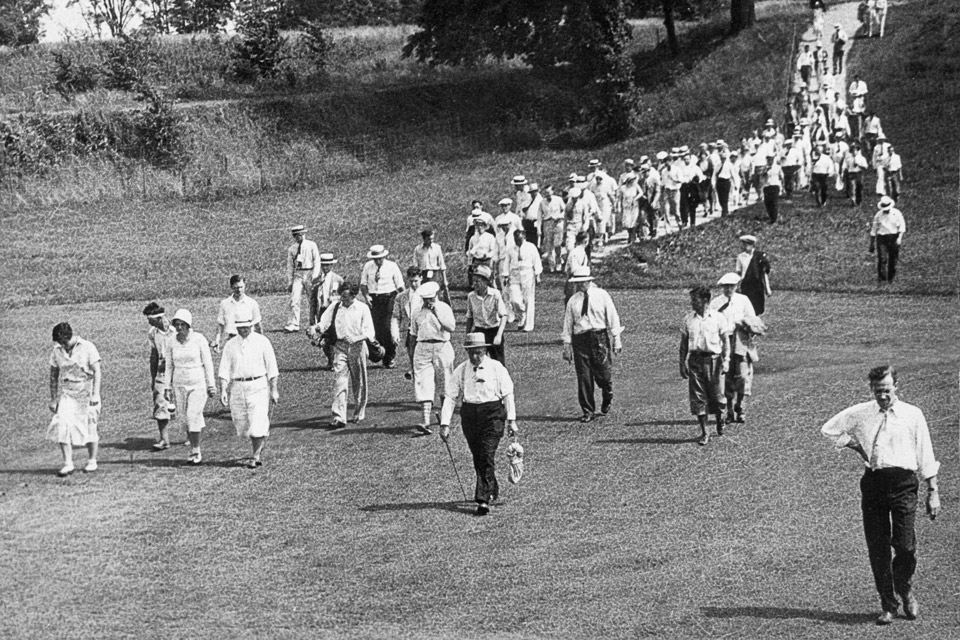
[76, 367]
[487, 382]
[888, 222]
[158, 339]
[487, 311]
[705, 333]
[231, 310]
[429, 258]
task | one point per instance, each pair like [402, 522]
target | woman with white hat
[190, 372]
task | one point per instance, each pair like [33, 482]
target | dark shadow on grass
[786, 613]
[303, 369]
[662, 423]
[303, 424]
[649, 441]
[458, 506]
[131, 444]
[176, 462]
[560, 419]
[394, 407]
[535, 343]
[39, 471]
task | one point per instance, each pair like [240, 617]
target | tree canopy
[20, 21]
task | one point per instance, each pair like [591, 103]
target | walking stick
[453, 462]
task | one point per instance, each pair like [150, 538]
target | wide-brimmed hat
[748, 238]
[428, 290]
[886, 202]
[476, 340]
[593, 163]
[628, 161]
[580, 274]
[184, 316]
[327, 258]
[377, 251]
[728, 278]
[243, 324]
[518, 181]
[297, 228]
[484, 272]
[675, 152]
[684, 150]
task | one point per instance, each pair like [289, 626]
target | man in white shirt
[894, 173]
[237, 305]
[531, 215]
[886, 235]
[248, 384]
[158, 335]
[772, 181]
[893, 440]
[428, 256]
[704, 360]
[551, 223]
[486, 390]
[792, 162]
[525, 270]
[839, 40]
[380, 282]
[487, 312]
[349, 325]
[591, 338]
[805, 64]
[431, 326]
[303, 266]
[406, 306]
[649, 203]
[742, 321]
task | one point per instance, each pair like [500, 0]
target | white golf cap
[428, 290]
[505, 202]
[183, 316]
[748, 238]
[728, 278]
[575, 192]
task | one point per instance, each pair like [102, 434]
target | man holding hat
[486, 391]
[430, 327]
[428, 256]
[248, 384]
[591, 337]
[886, 235]
[487, 312]
[159, 334]
[704, 359]
[604, 189]
[349, 325]
[326, 291]
[744, 324]
[380, 282]
[303, 266]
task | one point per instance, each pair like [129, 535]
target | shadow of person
[649, 440]
[457, 506]
[130, 444]
[786, 613]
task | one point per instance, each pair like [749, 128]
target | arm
[54, 388]
[725, 351]
[257, 318]
[444, 314]
[837, 430]
[684, 347]
[154, 364]
[207, 361]
[97, 375]
[511, 406]
[273, 372]
[566, 334]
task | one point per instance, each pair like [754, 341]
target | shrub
[258, 46]
[70, 78]
[129, 60]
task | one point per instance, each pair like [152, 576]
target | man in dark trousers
[893, 440]
[886, 234]
[486, 390]
[591, 337]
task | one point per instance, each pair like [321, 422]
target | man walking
[525, 270]
[487, 312]
[591, 337]
[428, 256]
[248, 384]
[886, 235]
[237, 305]
[743, 323]
[486, 390]
[158, 335]
[430, 327]
[704, 359]
[303, 266]
[551, 223]
[380, 282]
[893, 440]
[839, 39]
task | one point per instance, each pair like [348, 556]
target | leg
[256, 446]
[877, 531]
[883, 251]
[341, 383]
[584, 368]
[66, 452]
[894, 256]
[903, 539]
[357, 364]
[296, 291]
[602, 368]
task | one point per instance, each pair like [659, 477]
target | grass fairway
[623, 528]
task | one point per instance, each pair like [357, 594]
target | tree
[20, 21]
[742, 15]
[157, 15]
[199, 16]
[115, 14]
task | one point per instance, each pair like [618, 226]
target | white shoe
[195, 458]
[65, 470]
[291, 328]
[91, 466]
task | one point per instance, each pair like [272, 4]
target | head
[476, 355]
[746, 245]
[519, 235]
[427, 236]
[481, 280]
[298, 235]
[480, 225]
[348, 293]
[238, 286]
[379, 261]
[476, 204]
[883, 385]
[699, 297]
[182, 326]
[244, 329]
[63, 335]
[154, 315]
[414, 277]
[325, 267]
[582, 238]
[548, 190]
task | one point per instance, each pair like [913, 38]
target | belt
[247, 379]
[583, 333]
[431, 341]
[305, 269]
[382, 295]
[703, 354]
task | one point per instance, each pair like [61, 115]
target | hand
[211, 392]
[512, 428]
[215, 346]
[168, 395]
[275, 397]
[933, 504]
[684, 372]
[498, 340]
[617, 351]
[567, 353]
[224, 400]
[726, 365]
[444, 432]
[53, 406]
[94, 400]
[312, 332]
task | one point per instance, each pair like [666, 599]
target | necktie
[376, 280]
[586, 304]
[725, 305]
[874, 454]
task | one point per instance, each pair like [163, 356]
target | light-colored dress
[189, 373]
[75, 421]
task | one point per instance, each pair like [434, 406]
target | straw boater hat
[243, 324]
[575, 192]
[475, 340]
[748, 238]
[183, 316]
[518, 181]
[594, 163]
[428, 290]
[484, 272]
[580, 274]
[377, 251]
[299, 228]
[675, 152]
[628, 161]
[728, 278]
[886, 202]
[327, 258]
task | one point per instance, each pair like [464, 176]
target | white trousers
[350, 371]
[430, 359]
[523, 298]
[250, 407]
[301, 280]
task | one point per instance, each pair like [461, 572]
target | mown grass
[623, 528]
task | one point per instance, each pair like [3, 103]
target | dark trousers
[805, 73]
[853, 183]
[893, 184]
[771, 196]
[888, 252]
[819, 182]
[837, 60]
[689, 199]
[381, 309]
[530, 230]
[495, 350]
[593, 361]
[723, 195]
[483, 427]
[790, 174]
[889, 505]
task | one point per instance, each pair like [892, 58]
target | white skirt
[75, 421]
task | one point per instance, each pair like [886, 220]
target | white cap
[428, 290]
[184, 316]
[729, 278]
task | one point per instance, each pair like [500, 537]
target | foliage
[258, 46]
[116, 15]
[350, 13]
[20, 21]
[199, 16]
[129, 60]
[71, 77]
[317, 43]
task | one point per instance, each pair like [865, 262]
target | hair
[152, 309]
[879, 373]
[582, 237]
[62, 331]
[349, 287]
[476, 203]
[700, 292]
[234, 279]
[426, 231]
[413, 272]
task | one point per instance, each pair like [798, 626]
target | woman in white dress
[74, 396]
[190, 371]
[628, 197]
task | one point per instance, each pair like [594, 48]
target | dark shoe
[424, 429]
[586, 417]
[338, 425]
[885, 618]
[730, 417]
[911, 608]
[605, 407]
[719, 426]
[483, 509]
[253, 464]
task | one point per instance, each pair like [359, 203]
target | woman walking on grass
[190, 370]
[74, 396]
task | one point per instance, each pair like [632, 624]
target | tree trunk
[742, 15]
[671, 28]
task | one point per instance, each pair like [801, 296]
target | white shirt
[483, 246]
[77, 366]
[896, 438]
[888, 222]
[705, 333]
[353, 323]
[552, 209]
[158, 339]
[428, 258]
[739, 307]
[189, 363]
[250, 357]
[231, 310]
[383, 279]
[487, 382]
[525, 259]
[428, 326]
[601, 314]
[486, 312]
[303, 256]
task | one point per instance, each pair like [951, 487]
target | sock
[427, 408]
